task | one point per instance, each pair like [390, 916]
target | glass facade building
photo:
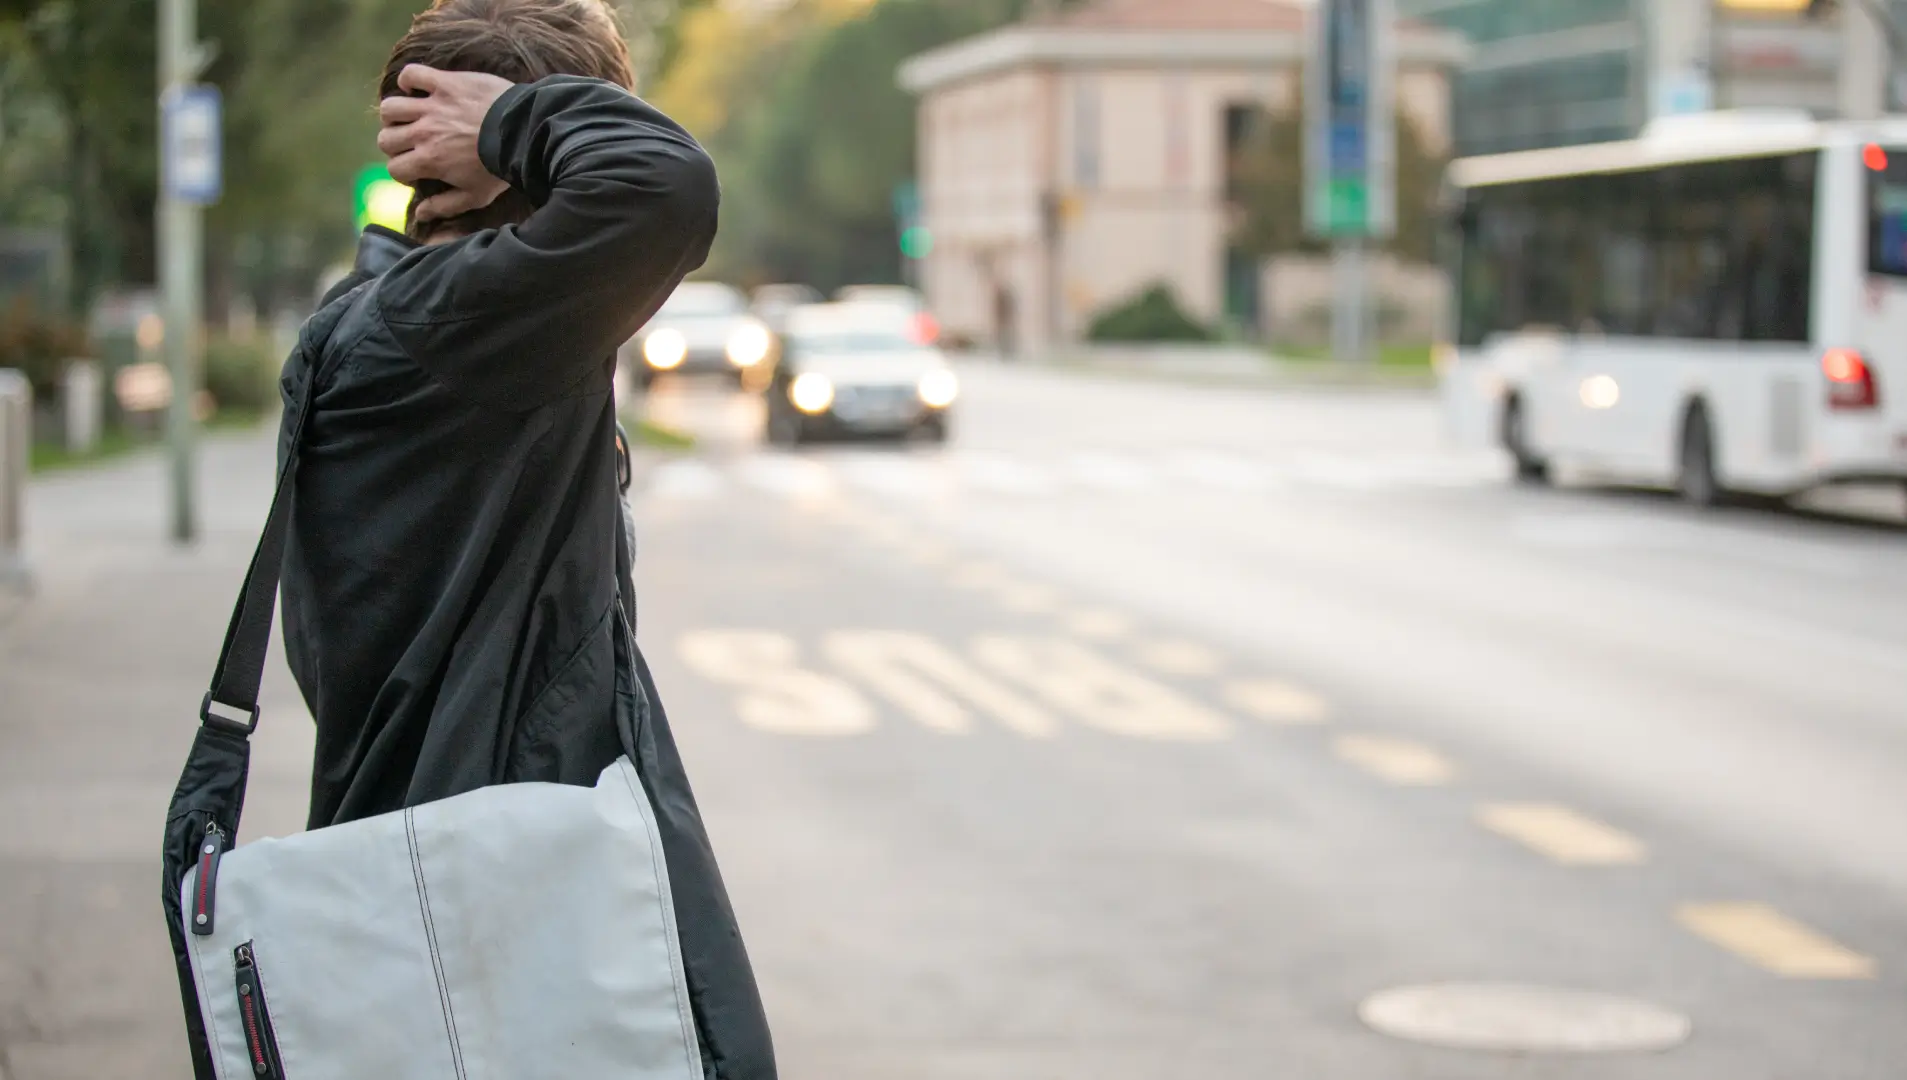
[1542, 72]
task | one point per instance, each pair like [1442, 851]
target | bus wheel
[1530, 469]
[1695, 479]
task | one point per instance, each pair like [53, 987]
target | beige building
[1069, 161]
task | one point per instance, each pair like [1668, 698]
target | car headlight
[749, 345]
[811, 392]
[938, 389]
[665, 349]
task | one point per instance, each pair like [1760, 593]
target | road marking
[1399, 761]
[1277, 702]
[1770, 940]
[1184, 658]
[925, 680]
[1004, 475]
[1098, 692]
[789, 477]
[1109, 472]
[1222, 471]
[684, 480]
[1562, 835]
[778, 695]
[1098, 624]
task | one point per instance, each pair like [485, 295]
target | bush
[241, 376]
[1153, 315]
[39, 344]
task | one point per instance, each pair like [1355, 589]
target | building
[1068, 162]
[1555, 72]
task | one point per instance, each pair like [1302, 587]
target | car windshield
[862, 339]
[703, 300]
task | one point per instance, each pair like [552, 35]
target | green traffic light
[917, 242]
[380, 200]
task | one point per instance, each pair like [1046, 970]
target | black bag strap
[232, 702]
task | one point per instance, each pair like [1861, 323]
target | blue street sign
[1349, 142]
[190, 144]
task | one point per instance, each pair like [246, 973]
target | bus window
[1887, 213]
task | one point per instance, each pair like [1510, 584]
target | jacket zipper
[210, 849]
[261, 1045]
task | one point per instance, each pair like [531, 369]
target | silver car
[858, 369]
[704, 328]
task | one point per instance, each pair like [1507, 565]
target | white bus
[1719, 306]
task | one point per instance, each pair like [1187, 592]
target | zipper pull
[260, 1047]
[210, 848]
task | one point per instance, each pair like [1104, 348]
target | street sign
[189, 123]
[379, 200]
[1350, 133]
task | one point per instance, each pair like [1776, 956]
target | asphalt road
[1150, 731]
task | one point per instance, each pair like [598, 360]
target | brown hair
[518, 40]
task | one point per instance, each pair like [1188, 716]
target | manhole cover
[1523, 1019]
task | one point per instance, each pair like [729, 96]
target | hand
[435, 137]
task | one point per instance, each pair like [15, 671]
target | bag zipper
[210, 849]
[261, 1045]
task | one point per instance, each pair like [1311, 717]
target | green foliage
[1267, 182]
[241, 376]
[39, 344]
[1154, 315]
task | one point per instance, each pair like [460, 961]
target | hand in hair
[434, 137]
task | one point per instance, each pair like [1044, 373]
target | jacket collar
[379, 249]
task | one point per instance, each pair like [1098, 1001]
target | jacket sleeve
[626, 205]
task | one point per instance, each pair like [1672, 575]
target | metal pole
[180, 260]
[16, 443]
[1349, 310]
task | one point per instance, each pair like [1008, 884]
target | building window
[1086, 130]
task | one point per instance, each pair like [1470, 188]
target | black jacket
[451, 567]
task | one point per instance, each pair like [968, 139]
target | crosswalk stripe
[1183, 658]
[1276, 702]
[1399, 761]
[1562, 834]
[1770, 940]
[903, 475]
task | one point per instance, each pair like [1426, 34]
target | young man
[452, 575]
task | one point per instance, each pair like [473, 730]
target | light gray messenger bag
[510, 933]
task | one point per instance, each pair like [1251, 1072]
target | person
[452, 576]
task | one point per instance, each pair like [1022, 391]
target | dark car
[858, 369]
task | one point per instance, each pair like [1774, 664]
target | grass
[53, 457]
[1401, 357]
[649, 433]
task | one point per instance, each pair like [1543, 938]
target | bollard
[82, 400]
[16, 444]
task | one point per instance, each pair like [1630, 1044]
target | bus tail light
[1850, 380]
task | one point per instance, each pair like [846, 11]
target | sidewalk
[101, 672]
[1236, 366]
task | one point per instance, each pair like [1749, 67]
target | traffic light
[381, 200]
[917, 242]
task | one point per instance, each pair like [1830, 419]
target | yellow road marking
[1396, 760]
[1562, 834]
[1098, 692]
[925, 680]
[1277, 702]
[1098, 624]
[1029, 599]
[777, 694]
[1768, 939]
[1186, 658]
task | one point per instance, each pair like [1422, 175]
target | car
[858, 369]
[772, 303]
[898, 297]
[704, 328]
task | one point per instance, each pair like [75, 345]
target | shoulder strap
[232, 702]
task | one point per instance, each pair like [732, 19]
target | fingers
[401, 110]
[409, 167]
[393, 141]
[450, 204]
[418, 79]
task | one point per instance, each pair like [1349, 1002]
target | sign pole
[1350, 154]
[189, 168]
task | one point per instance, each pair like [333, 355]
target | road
[1152, 731]
[1145, 732]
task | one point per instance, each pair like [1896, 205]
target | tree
[1267, 185]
